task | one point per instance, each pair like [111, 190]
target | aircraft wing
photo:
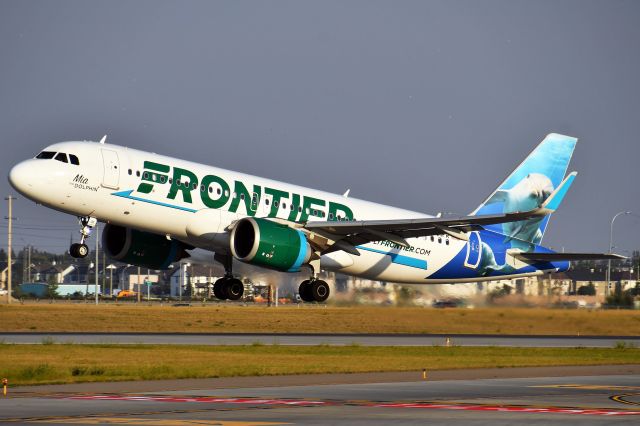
[337, 235]
[551, 257]
[346, 235]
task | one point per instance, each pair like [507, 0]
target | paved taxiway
[319, 339]
[614, 399]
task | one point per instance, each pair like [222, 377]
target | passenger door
[111, 176]
[474, 251]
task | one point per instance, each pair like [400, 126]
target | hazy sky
[425, 105]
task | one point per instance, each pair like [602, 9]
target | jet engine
[269, 244]
[141, 248]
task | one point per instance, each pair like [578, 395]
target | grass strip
[63, 317]
[64, 363]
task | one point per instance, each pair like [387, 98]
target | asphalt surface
[610, 399]
[319, 339]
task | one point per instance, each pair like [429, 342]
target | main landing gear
[227, 287]
[81, 250]
[314, 289]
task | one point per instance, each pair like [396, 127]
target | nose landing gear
[81, 250]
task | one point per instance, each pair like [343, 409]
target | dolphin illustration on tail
[527, 188]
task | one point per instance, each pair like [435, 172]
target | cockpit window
[46, 155]
[74, 160]
[61, 156]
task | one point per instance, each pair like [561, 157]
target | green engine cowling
[141, 248]
[269, 244]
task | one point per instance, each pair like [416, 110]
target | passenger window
[62, 157]
[138, 173]
[130, 172]
[46, 155]
[330, 216]
[74, 160]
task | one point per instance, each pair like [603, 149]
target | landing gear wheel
[319, 290]
[219, 289]
[234, 289]
[78, 250]
[305, 291]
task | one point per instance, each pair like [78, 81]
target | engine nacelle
[269, 244]
[141, 248]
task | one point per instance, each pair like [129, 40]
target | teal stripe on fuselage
[399, 258]
[127, 194]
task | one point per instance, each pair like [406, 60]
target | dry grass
[40, 364]
[314, 319]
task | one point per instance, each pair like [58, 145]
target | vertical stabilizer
[528, 187]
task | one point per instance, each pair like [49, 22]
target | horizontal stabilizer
[553, 202]
[556, 257]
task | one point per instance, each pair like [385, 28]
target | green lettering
[251, 201]
[295, 203]
[185, 186]
[275, 202]
[224, 192]
[337, 209]
[309, 204]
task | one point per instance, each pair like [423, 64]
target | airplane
[159, 209]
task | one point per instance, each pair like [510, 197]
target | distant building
[196, 280]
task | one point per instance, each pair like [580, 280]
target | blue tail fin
[528, 186]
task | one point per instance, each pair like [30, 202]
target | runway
[538, 400]
[320, 339]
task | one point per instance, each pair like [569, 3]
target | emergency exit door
[111, 176]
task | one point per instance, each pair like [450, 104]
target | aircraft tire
[219, 289]
[319, 290]
[78, 250]
[234, 289]
[305, 291]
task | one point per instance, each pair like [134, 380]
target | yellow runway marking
[624, 398]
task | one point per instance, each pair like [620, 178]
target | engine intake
[141, 248]
[269, 244]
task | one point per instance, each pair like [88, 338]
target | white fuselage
[109, 184]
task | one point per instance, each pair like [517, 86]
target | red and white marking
[423, 405]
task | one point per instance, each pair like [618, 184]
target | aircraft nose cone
[19, 177]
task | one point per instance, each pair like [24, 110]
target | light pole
[606, 290]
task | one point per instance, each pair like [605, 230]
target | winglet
[103, 140]
[553, 202]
